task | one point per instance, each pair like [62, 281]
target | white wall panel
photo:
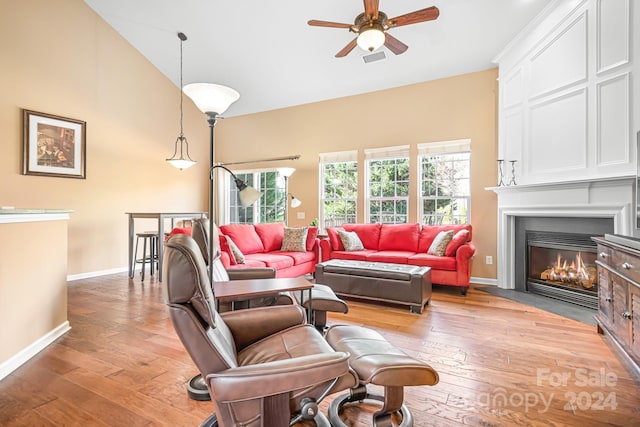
[512, 149]
[579, 107]
[561, 62]
[612, 34]
[513, 90]
[558, 136]
[613, 121]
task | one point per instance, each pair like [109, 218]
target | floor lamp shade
[248, 196]
[286, 172]
[295, 202]
[210, 97]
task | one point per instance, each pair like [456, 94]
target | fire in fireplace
[563, 266]
[573, 273]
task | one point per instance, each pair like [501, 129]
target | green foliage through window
[339, 193]
[271, 205]
[388, 190]
[444, 188]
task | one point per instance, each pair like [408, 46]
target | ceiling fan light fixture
[371, 38]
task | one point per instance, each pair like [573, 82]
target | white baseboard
[484, 281]
[27, 353]
[96, 273]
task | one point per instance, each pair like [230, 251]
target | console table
[619, 297]
[160, 217]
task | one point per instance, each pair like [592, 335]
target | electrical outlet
[300, 215]
[489, 260]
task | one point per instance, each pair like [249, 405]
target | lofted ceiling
[267, 52]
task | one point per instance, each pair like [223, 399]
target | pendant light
[181, 162]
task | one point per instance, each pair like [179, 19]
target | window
[271, 205]
[338, 188]
[444, 195]
[387, 196]
[237, 213]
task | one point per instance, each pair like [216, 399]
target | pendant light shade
[210, 97]
[181, 144]
[181, 162]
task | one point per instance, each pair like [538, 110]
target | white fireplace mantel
[604, 198]
[553, 186]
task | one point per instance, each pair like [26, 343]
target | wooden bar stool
[150, 240]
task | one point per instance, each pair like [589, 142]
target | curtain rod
[275, 159]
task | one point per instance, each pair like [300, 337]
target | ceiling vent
[376, 56]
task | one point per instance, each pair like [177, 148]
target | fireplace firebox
[562, 266]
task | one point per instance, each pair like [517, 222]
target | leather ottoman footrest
[376, 361]
[323, 299]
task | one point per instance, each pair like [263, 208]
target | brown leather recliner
[261, 365]
[200, 233]
[323, 298]
[196, 387]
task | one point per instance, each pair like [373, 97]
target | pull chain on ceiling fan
[372, 25]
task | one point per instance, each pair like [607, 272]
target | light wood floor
[500, 364]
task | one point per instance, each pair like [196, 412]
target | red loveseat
[261, 245]
[408, 244]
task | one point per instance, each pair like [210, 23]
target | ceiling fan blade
[371, 8]
[394, 45]
[348, 48]
[317, 23]
[428, 14]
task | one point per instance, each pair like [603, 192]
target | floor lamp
[212, 100]
[286, 173]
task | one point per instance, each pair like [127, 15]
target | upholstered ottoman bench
[379, 281]
[378, 362]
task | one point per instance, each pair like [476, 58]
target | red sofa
[408, 244]
[261, 243]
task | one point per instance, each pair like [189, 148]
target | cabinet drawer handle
[626, 266]
[603, 254]
[626, 315]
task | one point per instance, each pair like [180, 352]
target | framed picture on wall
[53, 145]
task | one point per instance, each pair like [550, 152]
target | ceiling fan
[372, 25]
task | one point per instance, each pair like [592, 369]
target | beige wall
[59, 57]
[453, 108]
[33, 283]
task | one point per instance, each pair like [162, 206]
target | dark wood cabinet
[619, 297]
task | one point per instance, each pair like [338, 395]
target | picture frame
[53, 145]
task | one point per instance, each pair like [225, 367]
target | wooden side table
[242, 290]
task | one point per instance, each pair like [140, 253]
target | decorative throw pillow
[439, 244]
[350, 241]
[458, 239]
[295, 240]
[312, 234]
[224, 247]
[235, 251]
[334, 239]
